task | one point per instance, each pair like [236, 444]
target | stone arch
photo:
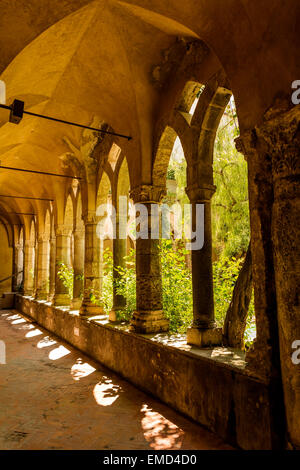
[123, 179]
[69, 214]
[188, 96]
[162, 156]
[78, 216]
[201, 168]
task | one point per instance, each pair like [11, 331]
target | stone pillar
[16, 281]
[263, 357]
[204, 331]
[78, 269]
[61, 295]
[91, 268]
[119, 253]
[52, 261]
[281, 139]
[42, 273]
[149, 316]
[28, 267]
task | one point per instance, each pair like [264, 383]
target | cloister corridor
[54, 397]
[149, 227]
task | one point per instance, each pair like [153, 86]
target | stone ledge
[217, 394]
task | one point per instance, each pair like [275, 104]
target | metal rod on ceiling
[19, 213]
[28, 197]
[19, 117]
[40, 172]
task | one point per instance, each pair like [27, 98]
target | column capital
[62, 230]
[79, 233]
[89, 217]
[147, 194]
[43, 238]
[200, 194]
[29, 244]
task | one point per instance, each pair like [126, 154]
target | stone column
[28, 267]
[263, 356]
[119, 253]
[281, 139]
[52, 261]
[78, 269]
[91, 268]
[42, 273]
[204, 331]
[61, 295]
[149, 316]
[16, 281]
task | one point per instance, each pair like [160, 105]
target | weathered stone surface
[191, 382]
[204, 338]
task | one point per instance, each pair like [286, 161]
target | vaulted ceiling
[110, 61]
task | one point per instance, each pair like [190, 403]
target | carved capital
[147, 194]
[79, 234]
[89, 218]
[29, 244]
[200, 194]
[62, 231]
[43, 238]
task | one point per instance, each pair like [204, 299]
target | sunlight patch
[161, 433]
[81, 369]
[58, 353]
[106, 393]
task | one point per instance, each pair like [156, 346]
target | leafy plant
[66, 275]
[177, 286]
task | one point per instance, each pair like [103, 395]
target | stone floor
[54, 397]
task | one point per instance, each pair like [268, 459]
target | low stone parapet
[211, 386]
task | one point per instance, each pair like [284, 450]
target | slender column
[91, 268]
[149, 316]
[281, 139]
[35, 267]
[52, 260]
[28, 267]
[41, 292]
[119, 253]
[78, 269]
[204, 331]
[17, 279]
[61, 295]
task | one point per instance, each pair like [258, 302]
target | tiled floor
[54, 397]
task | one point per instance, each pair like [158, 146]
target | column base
[149, 321]
[41, 296]
[61, 300]
[28, 293]
[112, 316]
[88, 310]
[75, 304]
[204, 338]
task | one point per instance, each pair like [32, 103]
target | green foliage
[225, 274]
[171, 174]
[66, 274]
[107, 281]
[177, 286]
[230, 206]
[126, 286]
